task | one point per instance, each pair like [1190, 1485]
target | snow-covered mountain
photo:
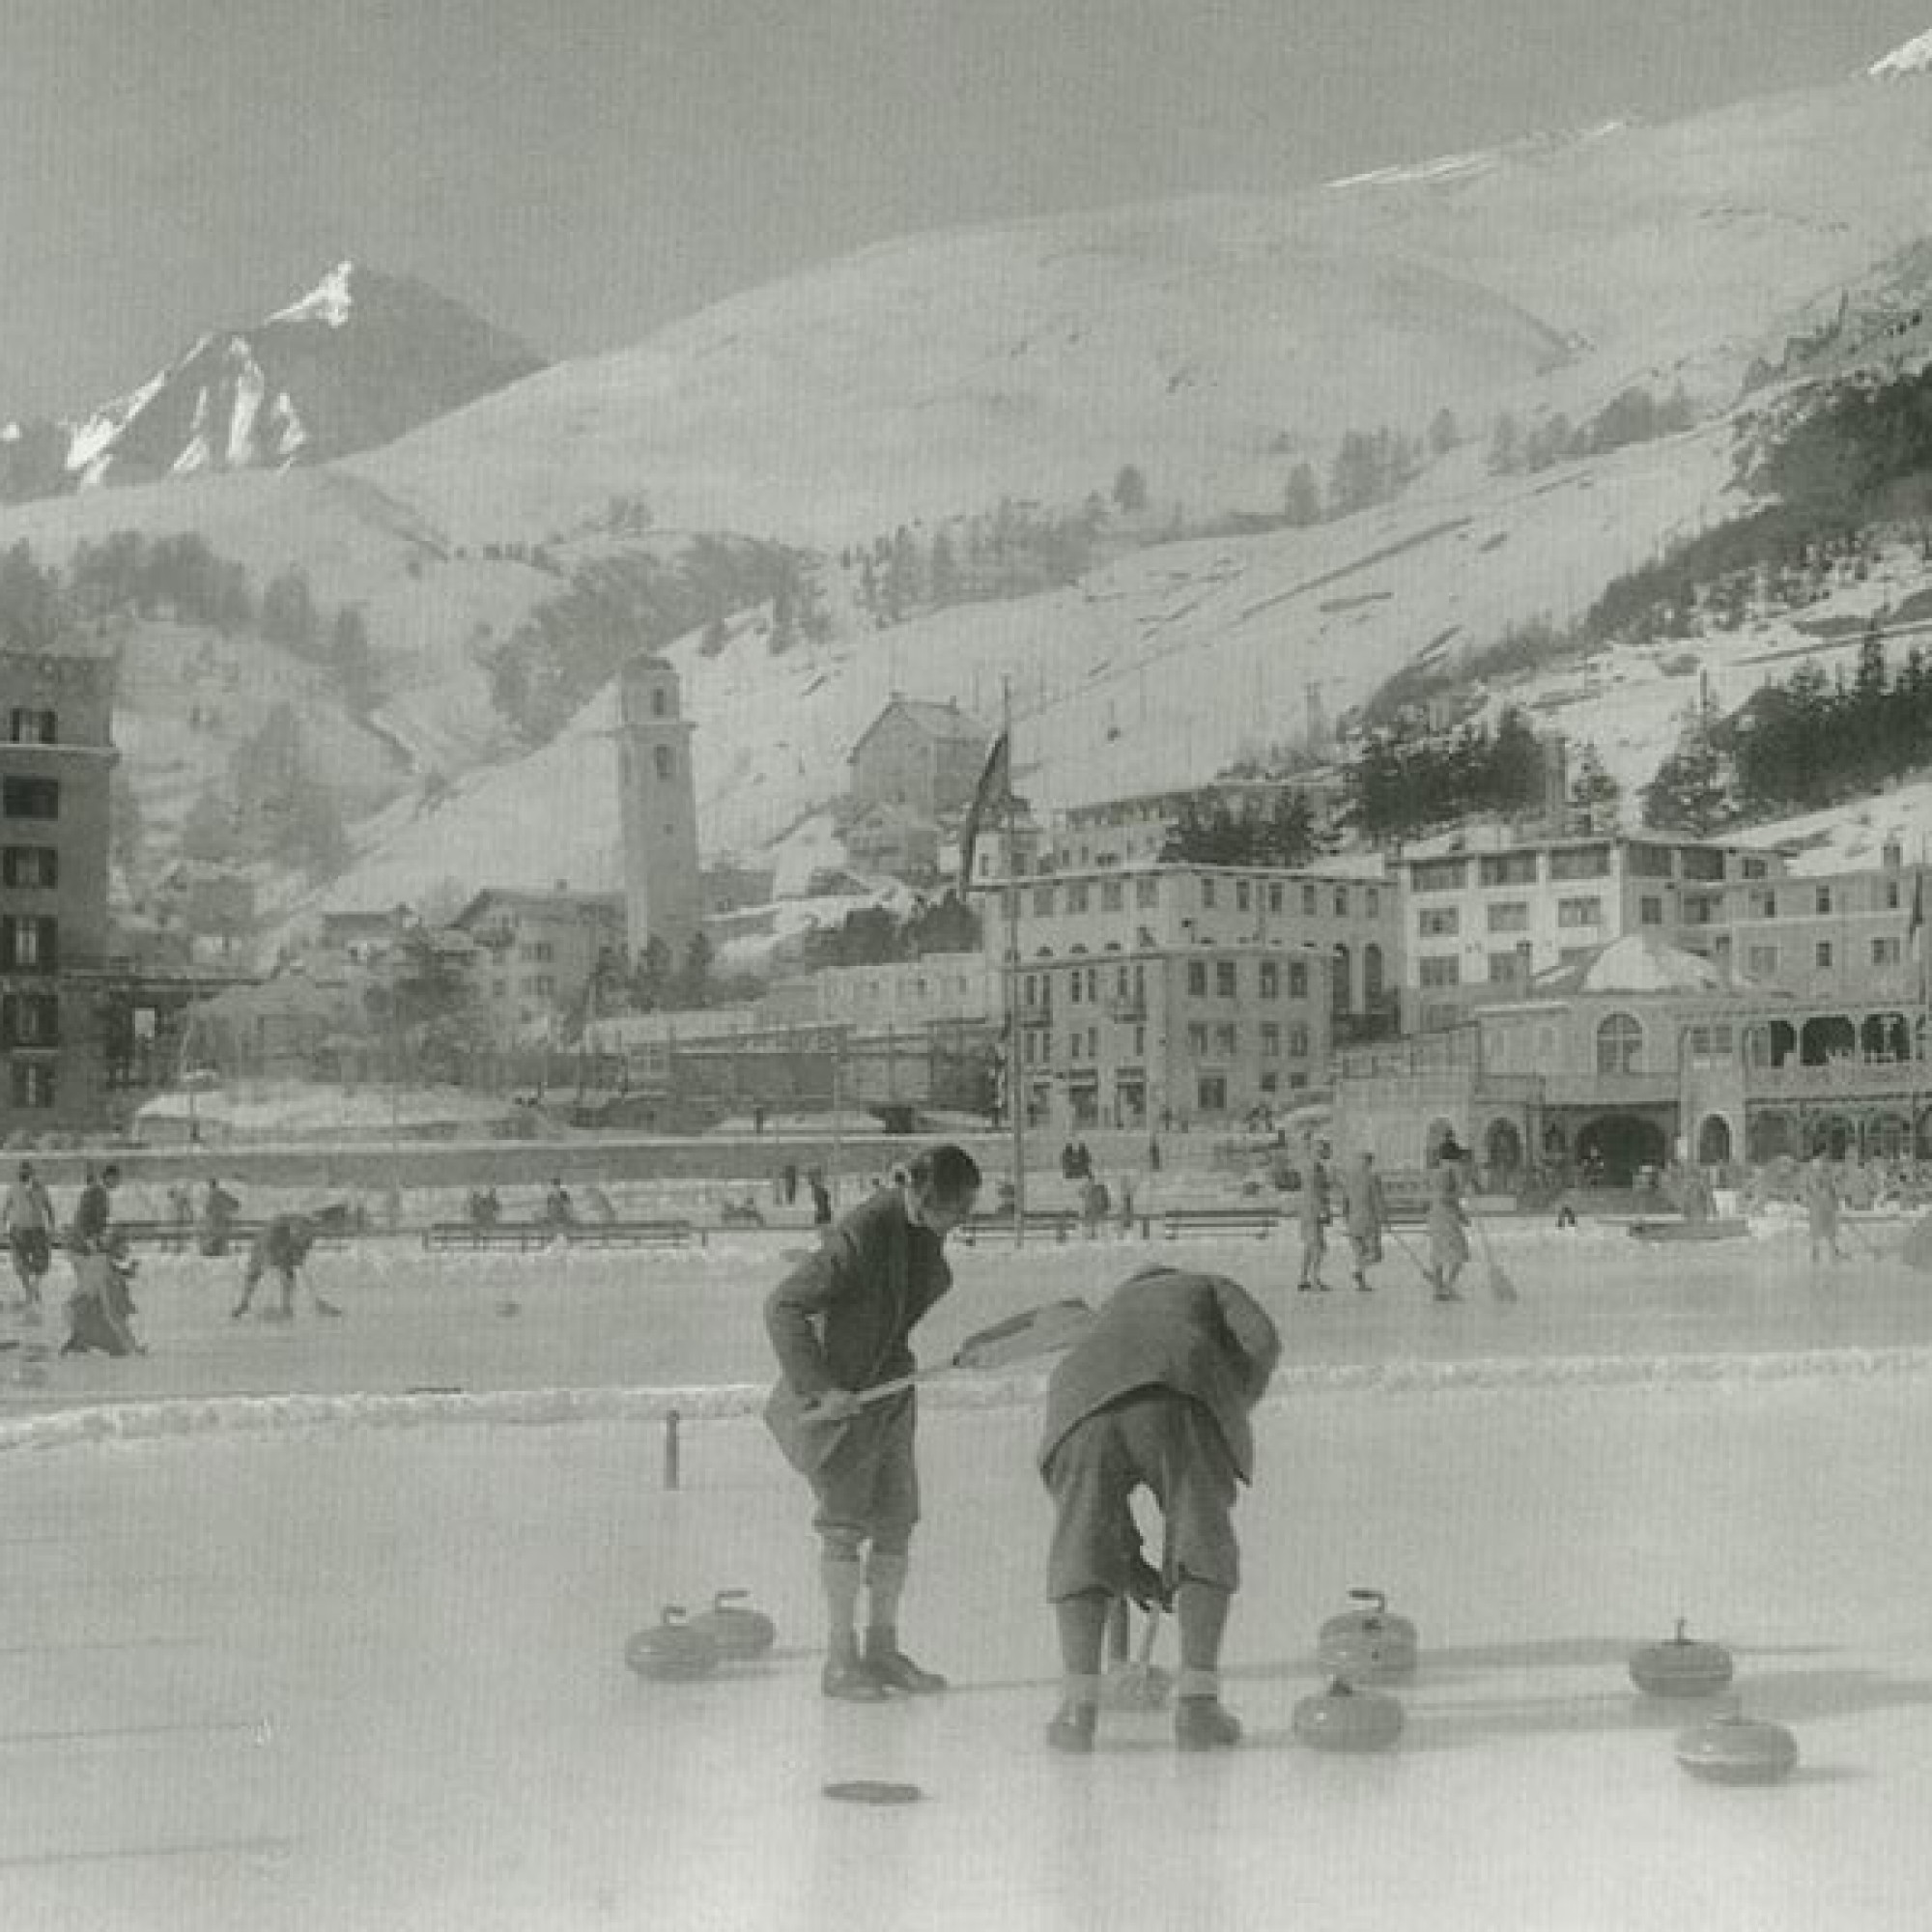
[359, 359]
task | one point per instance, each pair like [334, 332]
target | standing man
[29, 1219]
[218, 1209]
[840, 1323]
[1313, 1210]
[1156, 1395]
[1819, 1193]
[1366, 1208]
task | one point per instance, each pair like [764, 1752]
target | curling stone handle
[723, 1598]
[1378, 1599]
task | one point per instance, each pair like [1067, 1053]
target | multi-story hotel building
[56, 757]
[1486, 910]
[1158, 993]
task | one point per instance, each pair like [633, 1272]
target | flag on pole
[989, 796]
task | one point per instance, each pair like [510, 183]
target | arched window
[667, 761]
[1619, 1044]
[659, 701]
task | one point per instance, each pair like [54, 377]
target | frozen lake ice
[274, 1672]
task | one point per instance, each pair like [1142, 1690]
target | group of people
[101, 1309]
[1356, 1198]
[1157, 1394]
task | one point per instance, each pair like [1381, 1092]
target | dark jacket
[88, 1235]
[285, 1242]
[842, 1317]
[1200, 1335]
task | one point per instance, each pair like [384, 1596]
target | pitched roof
[937, 721]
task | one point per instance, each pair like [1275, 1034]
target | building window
[1824, 956]
[1650, 862]
[1887, 951]
[29, 866]
[33, 1084]
[30, 798]
[1702, 908]
[1764, 905]
[1244, 895]
[666, 762]
[1509, 916]
[1271, 1039]
[1073, 986]
[32, 727]
[1892, 900]
[1147, 891]
[29, 1019]
[659, 701]
[1076, 897]
[27, 943]
[1197, 1040]
[1437, 875]
[1619, 1044]
[1580, 912]
[1761, 962]
[1042, 901]
[1274, 896]
[1197, 977]
[1443, 970]
[1113, 896]
[1508, 969]
[1224, 1040]
[1271, 979]
[1341, 902]
[1297, 979]
[1701, 862]
[1373, 907]
[1437, 923]
[1580, 862]
[1208, 899]
[1297, 1042]
[1822, 899]
[1308, 901]
[1650, 911]
[1224, 979]
[1506, 868]
[1211, 1094]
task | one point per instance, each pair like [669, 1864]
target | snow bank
[147, 1421]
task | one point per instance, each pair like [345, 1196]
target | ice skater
[1313, 1210]
[1156, 1395]
[1819, 1193]
[840, 1323]
[1365, 1209]
[283, 1245]
[30, 1224]
[1448, 1222]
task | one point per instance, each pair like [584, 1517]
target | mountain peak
[330, 301]
[1915, 56]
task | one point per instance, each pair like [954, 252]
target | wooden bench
[1259, 1222]
[1059, 1222]
[175, 1238]
[523, 1236]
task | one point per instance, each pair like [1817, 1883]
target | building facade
[1172, 993]
[1487, 911]
[57, 757]
[535, 952]
[922, 757]
[663, 892]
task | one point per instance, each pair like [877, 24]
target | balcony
[1839, 1079]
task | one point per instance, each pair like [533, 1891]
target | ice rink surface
[270, 1673]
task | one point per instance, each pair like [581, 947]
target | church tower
[662, 897]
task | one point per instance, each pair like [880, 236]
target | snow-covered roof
[1639, 962]
[1914, 57]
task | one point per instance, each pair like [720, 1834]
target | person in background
[1156, 1395]
[840, 1324]
[1365, 1209]
[218, 1210]
[1819, 1193]
[1095, 1201]
[821, 1198]
[557, 1211]
[30, 1225]
[1448, 1223]
[101, 1310]
[1313, 1210]
[283, 1245]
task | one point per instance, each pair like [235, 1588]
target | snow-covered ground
[273, 1661]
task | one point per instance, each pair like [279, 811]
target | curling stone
[1681, 1666]
[672, 1649]
[738, 1631]
[1343, 1719]
[1368, 1646]
[1731, 1748]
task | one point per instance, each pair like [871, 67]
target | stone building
[57, 757]
[663, 891]
[922, 757]
[535, 952]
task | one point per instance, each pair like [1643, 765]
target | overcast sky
[581, 170]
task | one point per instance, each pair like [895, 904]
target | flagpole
[1015, 1093]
